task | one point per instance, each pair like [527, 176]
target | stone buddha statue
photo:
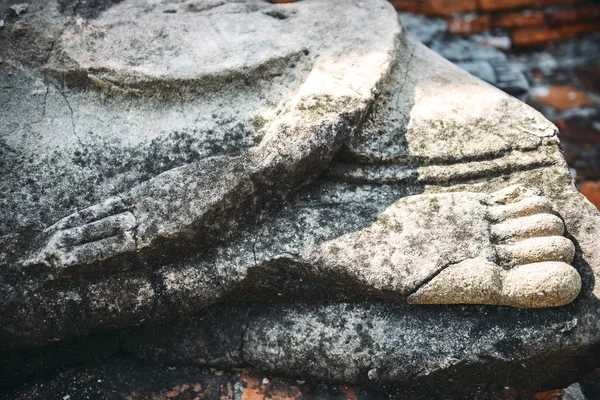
[305, 160]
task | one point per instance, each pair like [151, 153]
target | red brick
[448, 7]
[591, 190]
[469, 25]
[564, 98]
[494, 5]
[533, 36]
[520, 19]
[407, 6]
[575, 15]
[550, 395]
[589, 76]
[579, 29]
[497, 5]
[578, 131]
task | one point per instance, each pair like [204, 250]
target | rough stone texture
[285, 204]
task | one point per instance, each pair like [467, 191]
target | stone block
[519, 19]
[573, 16]
[534, 36]
[497, 5]
[468, 25]
[290, 188]
[578, 29]
[448, 7]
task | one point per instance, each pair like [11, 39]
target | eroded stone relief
[244, 152]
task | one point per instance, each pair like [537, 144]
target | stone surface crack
[75, 7]
[405, 78]
[50, 51]
[58, 35]
[44, 103]
[254, 251]
[53, 44]
[431, 277]
[62, 93]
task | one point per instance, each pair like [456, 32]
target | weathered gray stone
[321, 176]
[19, 8]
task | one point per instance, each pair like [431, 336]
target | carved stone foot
[463, 248]
[532, 257]
[93, 234]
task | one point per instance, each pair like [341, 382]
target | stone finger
[99, 250]
[104, 228]
[96, 212]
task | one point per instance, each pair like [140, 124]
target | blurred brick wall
[527, 22]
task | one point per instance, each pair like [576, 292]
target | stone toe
[528, 206]
[512, 194]
[537, 225]
[544, 284]
[537, 249]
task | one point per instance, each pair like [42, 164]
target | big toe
[543, 284]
